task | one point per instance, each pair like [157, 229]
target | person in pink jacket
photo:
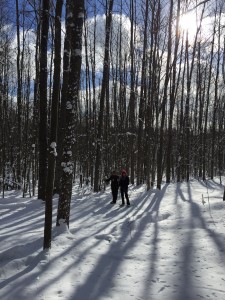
[123, 184]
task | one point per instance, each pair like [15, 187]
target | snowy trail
[168, 245]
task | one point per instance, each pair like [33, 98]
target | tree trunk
[19, 98]
[43, 101]
[142, 105]
[77, 13]
[172, 99]
[102, 98]
[66, 69]
[132, 95]
[53, 129]
[167, 77]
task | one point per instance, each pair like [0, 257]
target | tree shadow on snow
[186, 283]
[30, 261]
[100, 283]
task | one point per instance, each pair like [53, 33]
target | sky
[168, 245]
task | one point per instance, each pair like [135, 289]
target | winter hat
[123, 172]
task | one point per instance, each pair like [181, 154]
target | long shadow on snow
[153, 266]
[18, 291]
[81, 257]
[31, 261]
[187, 290]
[22, 216]
[114, 249]
[98, 282]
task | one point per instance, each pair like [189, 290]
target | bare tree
[19, 95]
[172, 98]
[66, 69]
[77, 13]
[164, 100]
[132, 120]
[142, 104]
[105, 78]
[43, 101]
[54, 125]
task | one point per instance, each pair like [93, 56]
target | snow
[67, 167]
[53, 147]
[168, 245]
[69, 105]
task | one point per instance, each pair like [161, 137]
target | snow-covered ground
[168, 245]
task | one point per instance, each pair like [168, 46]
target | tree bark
[163, 105]
[77, 13]
[19, 98]
[43, 101]
[105, 77]
[53, 129]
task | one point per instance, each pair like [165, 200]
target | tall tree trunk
[151, 114]
[77, 13]
[207, 105]
[19, 98]
[215, 105]
[43, 101]
[163, 105]
[102, 97]
[142, 104]
[93, 82]
[66, 70]
[36, 103]
[132, 93]
[172, 98]
[53, 129]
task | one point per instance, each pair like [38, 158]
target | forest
[91, 86]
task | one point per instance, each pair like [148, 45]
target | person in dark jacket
[123, 183]
[114, 178]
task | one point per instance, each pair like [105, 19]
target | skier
[114, 178]
[123, 183]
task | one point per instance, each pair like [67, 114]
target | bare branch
[203, 2]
